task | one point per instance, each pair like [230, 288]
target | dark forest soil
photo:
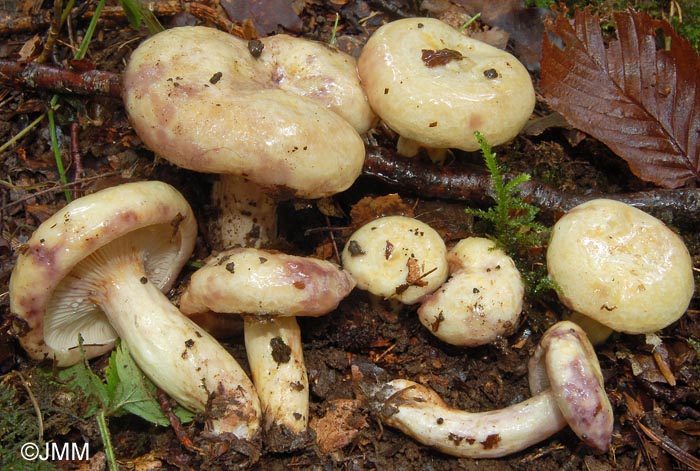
[363, 341]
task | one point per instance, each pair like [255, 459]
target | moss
[18, 425]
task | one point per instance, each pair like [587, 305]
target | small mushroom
[269, 289]
[567, 386]
[98, 269]
[396, 258]
[620, 266]
[481, 300]
[270, 126]
[435, 86]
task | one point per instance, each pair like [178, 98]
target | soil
[654, 392]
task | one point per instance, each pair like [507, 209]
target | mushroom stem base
[277, 365]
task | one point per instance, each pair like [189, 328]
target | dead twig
[76, 156]
[668, 445]
[53, 33]
[55, 79]
[175, 423]
[680, 207]
[159, 8]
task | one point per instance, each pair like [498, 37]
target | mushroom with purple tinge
[269, 289]
[98, 268]
[397, 258]
[279, 120]
[621, 267]
[481, 301]
[435, 86]
[567, 384]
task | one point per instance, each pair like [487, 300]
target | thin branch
[680, 207]
[166, 8]
[55, 79]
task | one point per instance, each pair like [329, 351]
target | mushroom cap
[198, 97]
[396, 257]
[620, 266]
[264, 282]
[318, 71]
[481, 301]
[441, 104]
[43, 292]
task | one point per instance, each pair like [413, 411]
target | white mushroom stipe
[435, 86]
[620, 266]
[202, 99]
[419, 412]
[103, 251]
[481, 301]
[279, 373]
[247, 216]
[269, 289]
[397, 258]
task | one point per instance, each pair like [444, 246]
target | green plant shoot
[137, 12]
[334, 38]
[124, 390]
[513, 219]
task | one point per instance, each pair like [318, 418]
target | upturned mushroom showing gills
[271, 127]
[98, 268]
[396, 258]
[567, 384]
[270, 289]
[435, 86]
[620, 266]
[481, 301]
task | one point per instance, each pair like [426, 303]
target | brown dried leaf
[339, 426]
[641, 101]
[370, 208]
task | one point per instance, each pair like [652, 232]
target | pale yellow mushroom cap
[441, 103]
[396, 257]
[155, 219]
[620, 266]
[481, 301]
[198, 97]
[266, 283]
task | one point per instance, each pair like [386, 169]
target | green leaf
[131, 392]
[134, 392]
[81, 376]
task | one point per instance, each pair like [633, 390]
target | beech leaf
[640, 100]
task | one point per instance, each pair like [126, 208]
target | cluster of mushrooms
[283, 118]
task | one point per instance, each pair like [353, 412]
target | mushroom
[620, 266]
[98, 269]
[567, 385]
[482, 299]
[210, 102]
[396, 258]
[270, 289]
[435, 86]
